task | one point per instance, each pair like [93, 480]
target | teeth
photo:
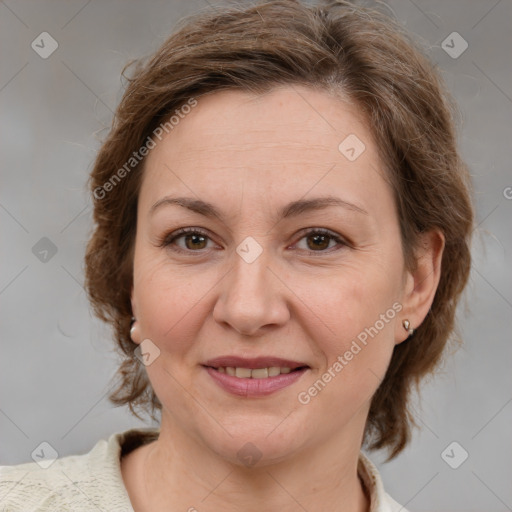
[256, 373]
[273, 371]
[260, 373]
[243, 372]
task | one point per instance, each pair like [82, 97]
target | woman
[282, 226]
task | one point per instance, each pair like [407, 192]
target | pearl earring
[132, 329]
[407, 327]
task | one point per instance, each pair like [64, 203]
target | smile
[254, 382]
[255, 373]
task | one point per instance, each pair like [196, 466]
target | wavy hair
[359, 53]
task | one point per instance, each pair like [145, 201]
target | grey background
[57, 360]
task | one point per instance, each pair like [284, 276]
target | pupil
[322, 238]
[196, 239]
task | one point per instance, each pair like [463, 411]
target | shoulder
[32, 487]
[380, 501]
[77, 482]
[392, 505]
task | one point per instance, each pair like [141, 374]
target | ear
[421, 283]
[134, 303]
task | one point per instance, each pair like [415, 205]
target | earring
[132, 328]
[407, 327]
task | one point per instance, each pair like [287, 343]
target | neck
[181, 471]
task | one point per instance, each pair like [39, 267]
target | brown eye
[194, 241]
[190, 240]
[187, 240]
[319, 240]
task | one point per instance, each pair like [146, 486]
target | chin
[255, 443]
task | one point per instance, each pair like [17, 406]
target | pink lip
[252, 362]
[249, 387]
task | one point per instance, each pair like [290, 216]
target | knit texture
[93, 481]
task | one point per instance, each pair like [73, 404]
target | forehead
[281, 143]
[296, 115]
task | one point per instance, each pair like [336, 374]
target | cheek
[169, 300]
[350, 302]
[361, 310]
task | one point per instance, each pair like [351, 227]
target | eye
[319, 240]
[194, 240]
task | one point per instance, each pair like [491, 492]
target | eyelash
[168, 240]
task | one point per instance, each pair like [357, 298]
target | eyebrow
[292, 209]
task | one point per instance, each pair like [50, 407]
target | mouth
[254, 367]
[256, 373]
[254, 377]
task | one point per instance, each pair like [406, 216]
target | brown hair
[337, 47]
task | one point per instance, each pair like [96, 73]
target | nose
[252, 297]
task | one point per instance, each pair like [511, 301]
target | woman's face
[259, 281]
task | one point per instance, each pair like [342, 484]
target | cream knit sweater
[93, 481]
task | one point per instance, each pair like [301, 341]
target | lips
[254, 377]
[253, 362]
